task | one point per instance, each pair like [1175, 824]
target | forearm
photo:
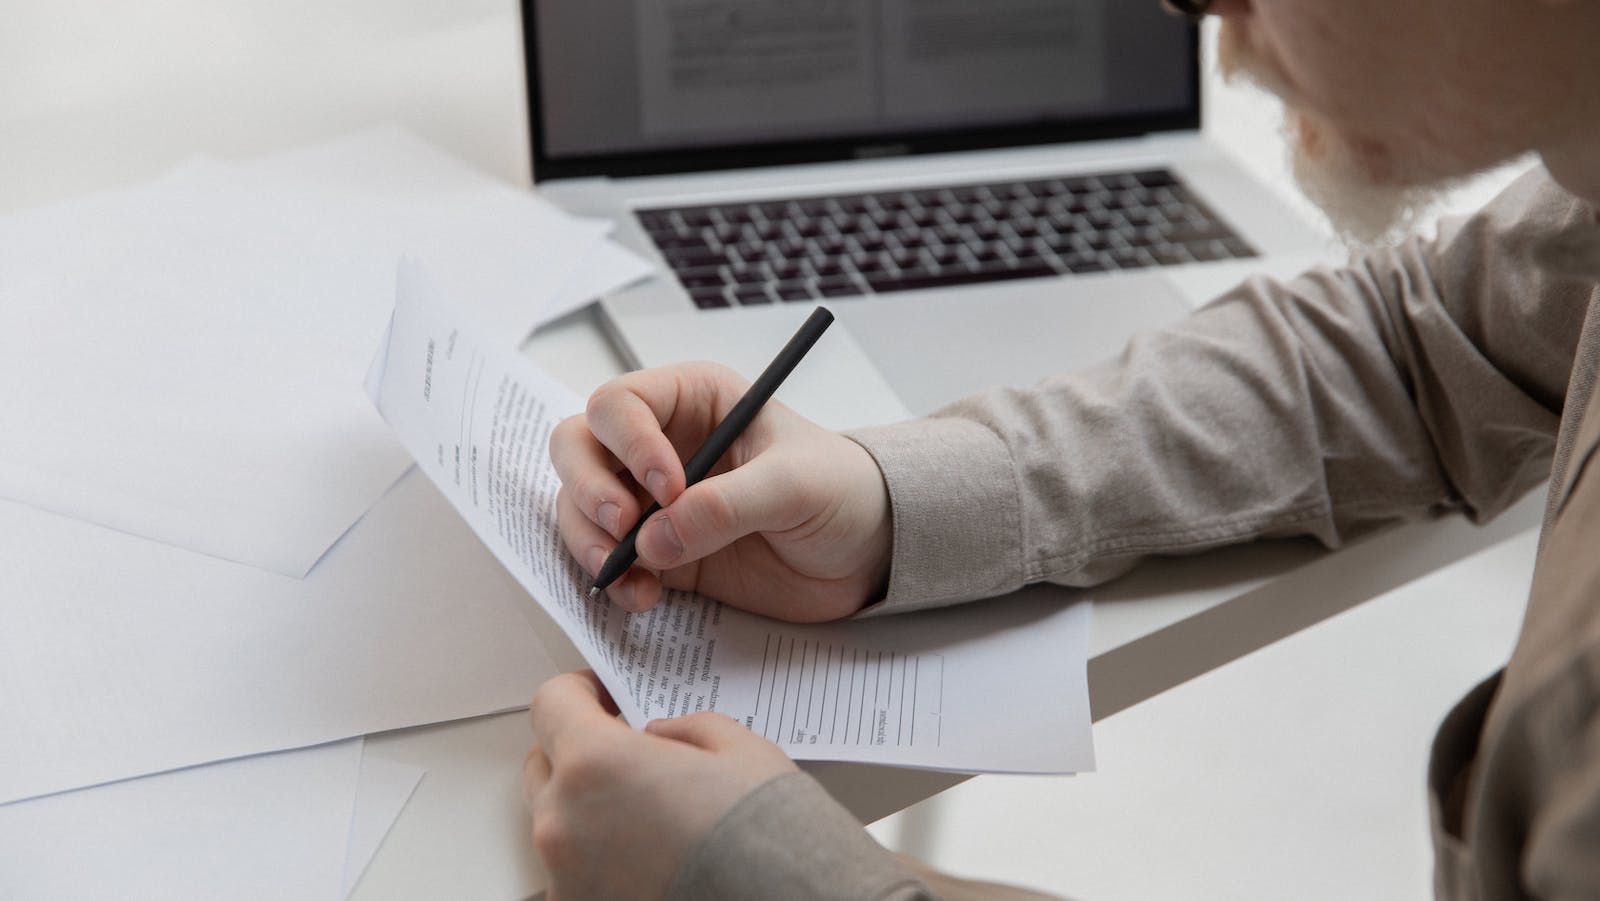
[1322, 407]
[790, 840]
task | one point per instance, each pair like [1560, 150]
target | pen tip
[594, 593]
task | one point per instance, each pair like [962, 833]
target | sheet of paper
[992, 687]
[521, 260]
[384, 789]
[182, 360]
[270, 828]
[121, 656]
[606, 267]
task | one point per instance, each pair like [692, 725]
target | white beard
[1366, 212]
[1372, 194]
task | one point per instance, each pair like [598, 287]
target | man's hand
[794, 522]
[616, 812]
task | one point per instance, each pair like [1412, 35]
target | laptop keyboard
[764, 252]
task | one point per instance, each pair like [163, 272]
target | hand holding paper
[930, 690]
[664, 790]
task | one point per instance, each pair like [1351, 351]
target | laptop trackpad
[836, 385]
[937, 346]
[888, 358]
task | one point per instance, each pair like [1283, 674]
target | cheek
[1372, 160]
[1337, 60]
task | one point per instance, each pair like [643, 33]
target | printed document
[722, 68]
[998, 686]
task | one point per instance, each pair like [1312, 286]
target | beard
[1373, 191]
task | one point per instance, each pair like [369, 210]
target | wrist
[870, 493]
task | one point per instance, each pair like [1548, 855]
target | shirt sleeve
[790, 841]
[1419, 378]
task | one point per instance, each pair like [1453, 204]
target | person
[1426, 375]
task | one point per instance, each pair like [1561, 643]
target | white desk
[95, 95]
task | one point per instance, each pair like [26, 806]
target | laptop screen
[627, 87]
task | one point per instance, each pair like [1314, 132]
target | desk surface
[93, 96]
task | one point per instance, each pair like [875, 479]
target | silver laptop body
[670, 117]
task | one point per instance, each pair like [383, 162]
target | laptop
[982, 192]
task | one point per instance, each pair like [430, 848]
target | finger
[626, 423]
[585, 540]
[592, 475]
[636, 590]
[715, 513]
[535, 775]
[568, 707]
[707, 729]
[630, 417]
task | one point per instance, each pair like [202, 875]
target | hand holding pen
[792, 521]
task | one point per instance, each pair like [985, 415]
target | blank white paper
[182, 360]
[273, 827]
[522, 261]
[382, 793]
[121, 656]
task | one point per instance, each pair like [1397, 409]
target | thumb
[707, 730]
[713, 514]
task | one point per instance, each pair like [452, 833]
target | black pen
[722, 437]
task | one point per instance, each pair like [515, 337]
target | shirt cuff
[957, 512]
[790, 841]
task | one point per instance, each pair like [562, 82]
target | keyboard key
[673, 242]
[1032, 262]
[837, 287]
[707, 299]
[696, 217]
[1131, 258]
[793, 290]
[784, 270]
[683, 258]
[885, 283]
[1155, 178]
[1238, 248]
[1100, 217]
[752, 295]
[1186, 233]
[707, 277]
[1171, 255]
[1206, 251]
[828, 267]
[655, 221]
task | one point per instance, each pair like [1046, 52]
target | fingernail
[666, 540]
[655, 482]
[610, 517]
[596, 558]
[627, 598]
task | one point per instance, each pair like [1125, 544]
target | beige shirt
[1436, 375]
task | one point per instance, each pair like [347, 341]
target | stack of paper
[183, 359]
[301, 824]
[121, 656]
[211, 546]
